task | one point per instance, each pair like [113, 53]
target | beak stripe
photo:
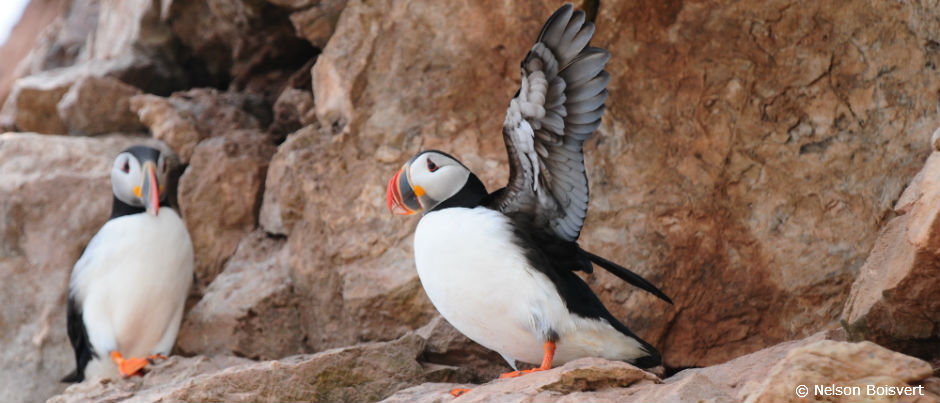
[150, 189]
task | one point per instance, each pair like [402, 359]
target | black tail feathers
[627, 275]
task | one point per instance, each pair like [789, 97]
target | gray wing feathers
[560, 103]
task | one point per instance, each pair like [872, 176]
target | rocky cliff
[768, 164]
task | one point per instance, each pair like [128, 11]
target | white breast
[481, 282]
[132, 282]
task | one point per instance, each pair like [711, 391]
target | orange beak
[150, 189]
[401, 196]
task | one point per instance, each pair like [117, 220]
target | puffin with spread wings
[500, 267]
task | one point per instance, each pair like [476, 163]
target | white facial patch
[438, 175]
[126, 174]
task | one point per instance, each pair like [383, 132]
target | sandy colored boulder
[367, 372]
[24, 37]
[130, 44]
[586, 374]
[317, 24]
[184, 119]
[843, 364]
[250, 309]
[735, 167]
[292, 110]
[97, 105]
[160, 378]
[219, 196]
[237, 41]
[447, 346]
[31, 105]
[330, 211]
[895, 301]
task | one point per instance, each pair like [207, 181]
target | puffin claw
[457, 392]
[516, 374]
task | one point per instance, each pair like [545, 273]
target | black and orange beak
[401, 196]
[150, 189]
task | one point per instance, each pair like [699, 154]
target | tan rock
[896, 299]
[24, 36]
[186, 118]
[137, 46]
[31, 106]
[219, 196]
[294, 4]
[349, 293]
[167, 124]
[431, 392]
[97, 105]
[159, 378]
[317, 24]
[129, 43]
[691, 388]
[557, 384]
[840, 365]
[236, 40]
[447, 346]
[732, 378]
[55, 194]
[249, 310]
[293, 110]
[754, 205]
[753, 188]
[771, 374]
[367, 372]
[935, 140]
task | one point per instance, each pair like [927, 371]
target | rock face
[54, 196]
[249, 310]
[347, 292]
[220, 194]
[731, 190]
[186, 118]
[735, 166]
[894, 299]
[97, 105]
[368, 372]
[447, 346]
[23, 38]
[847, 365]
[771, 374]
[130, 44]
[751, 163]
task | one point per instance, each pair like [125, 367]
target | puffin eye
[432, 166]
[126, 167]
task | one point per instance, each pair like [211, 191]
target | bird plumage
[128, 289]
[501, 266]
[491, 291]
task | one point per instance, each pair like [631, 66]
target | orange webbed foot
[549, 349]
[457, 392]
[133, 366]
[516, 374]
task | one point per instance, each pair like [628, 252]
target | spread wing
[558, 106]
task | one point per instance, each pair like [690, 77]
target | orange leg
[549, 348]
[133, 365]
